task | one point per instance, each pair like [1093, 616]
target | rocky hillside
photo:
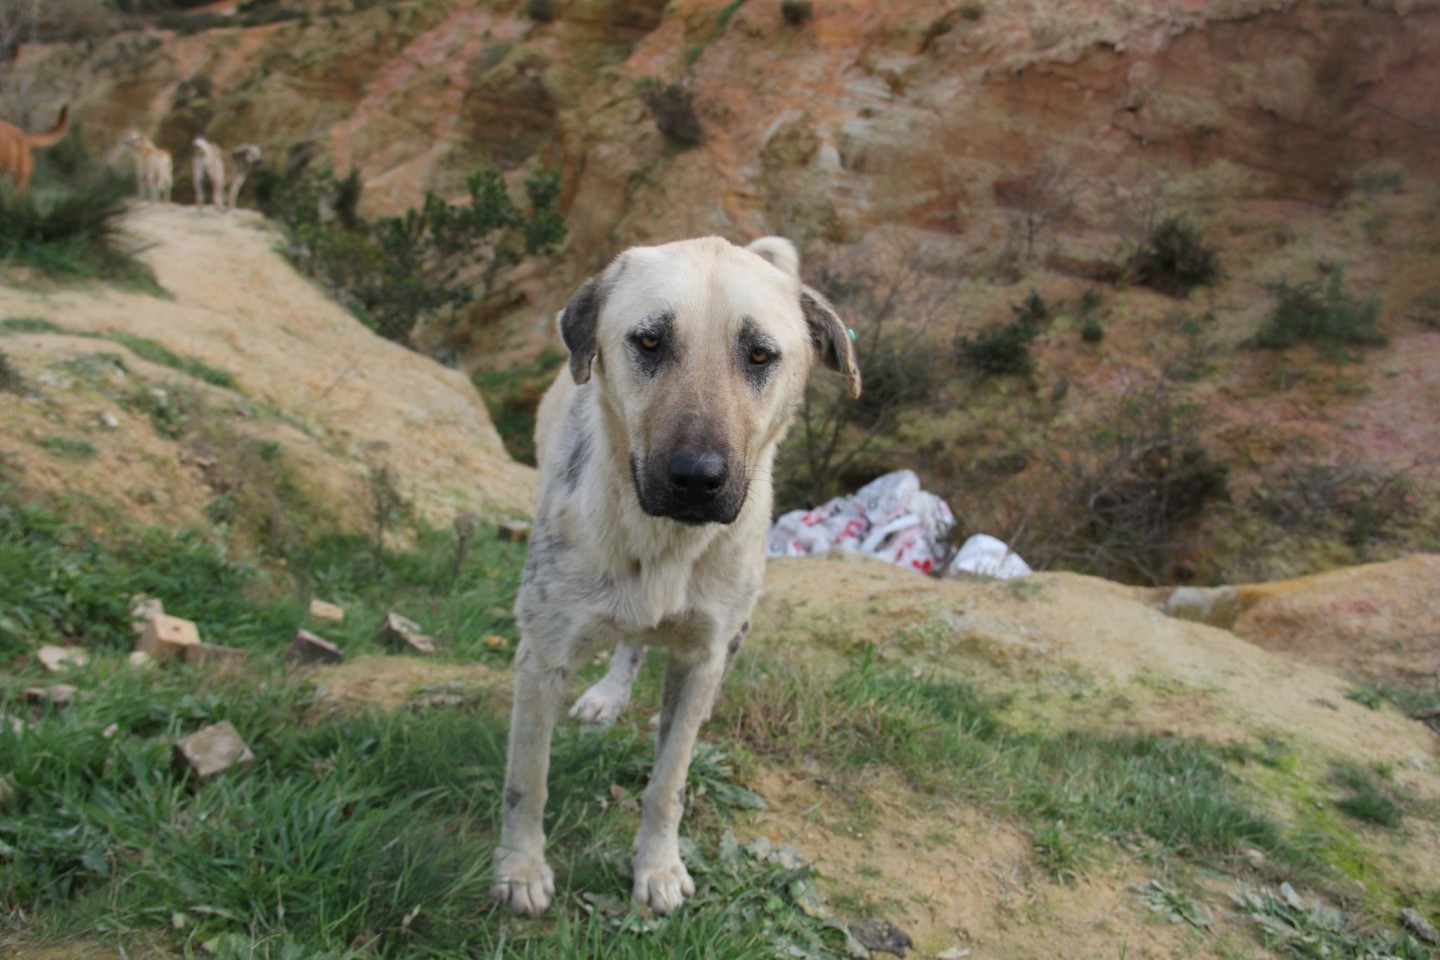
[961, 154]
[238, 393]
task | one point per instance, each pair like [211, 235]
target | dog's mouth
[693, 487]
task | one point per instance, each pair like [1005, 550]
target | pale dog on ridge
[687, 363]
[208, 163]
[153, 167]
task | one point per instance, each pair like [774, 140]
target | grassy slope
[351, 820]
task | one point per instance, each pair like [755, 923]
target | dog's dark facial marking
[513, 797]
[757, 355]
[653, 344]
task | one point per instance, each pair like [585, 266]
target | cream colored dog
[208, 163]
[153, 167]
[16, 145]
[687, 363]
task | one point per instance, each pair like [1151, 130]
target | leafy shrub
[1356, 502]
[1175, 260]
[1323, 312]
[71, 227]
[10, 379]
[673, 107]
[394, 270]
[541, 10]
[1091, 331]
[797, 12]
[1004, 349]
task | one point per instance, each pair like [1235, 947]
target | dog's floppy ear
[833, 341]
[578, 320]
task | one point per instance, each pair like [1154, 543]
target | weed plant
[1323, 312]
[1175, 260]
[68, 224]
[1004, 349]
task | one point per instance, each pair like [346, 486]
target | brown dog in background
[16, 146]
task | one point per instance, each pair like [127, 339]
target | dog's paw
[664, 887]
[602, 703]
[524, 882]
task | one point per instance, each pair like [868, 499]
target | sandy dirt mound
[308, 375]
[1120, 659]
[1379, 621]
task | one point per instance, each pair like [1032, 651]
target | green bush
[797, 12]
[1091, 331]
[1323, 312]
[541, 10]
[392, 271]
[1175, 260]
[1004, 349]
[673, 107]
[10, 380]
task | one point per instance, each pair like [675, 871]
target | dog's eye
[759, 356]
[650, 342]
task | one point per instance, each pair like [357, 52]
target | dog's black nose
[697, 477]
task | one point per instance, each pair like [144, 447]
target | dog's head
[700, 351]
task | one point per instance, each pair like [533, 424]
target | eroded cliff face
[869, 114]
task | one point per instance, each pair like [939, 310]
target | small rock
[514, 531]
[164, 636]
[57, 659]
[1215, 606]
[954, 953]
[108, 420]
[141, 660]
[321, 610]
[882, 935]
[17, 726]
[405, 634]
[142, 608]
[308, 647]
[210, 654]
[1416, 923]
[212, 750]
[57, 695]
[496, 642]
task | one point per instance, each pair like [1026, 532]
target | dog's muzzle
[689, 485]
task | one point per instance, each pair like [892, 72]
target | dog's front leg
[691, 681]
[605, 700]
[523, 880]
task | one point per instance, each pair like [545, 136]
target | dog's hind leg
[691, 682]
[523, 880]
[606, 699]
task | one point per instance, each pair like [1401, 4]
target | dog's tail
[39, 140]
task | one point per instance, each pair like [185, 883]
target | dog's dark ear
[833, 341]
[577, 325]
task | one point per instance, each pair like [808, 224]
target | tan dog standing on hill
[153, 167]
[687, 364]
[16, 145]
[208, 163]
[245, 158]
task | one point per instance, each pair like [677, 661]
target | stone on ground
[321, 610]
[212, 750]
[308, 647]
[57, 659]
[164, 636]
[405, 635]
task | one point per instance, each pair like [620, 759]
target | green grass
[947, 739]
[28, 325]
[148, 349]
[1370, 798]
[68, 228]
[348, 822]
[68, 447]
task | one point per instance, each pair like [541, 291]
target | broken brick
[212, 750]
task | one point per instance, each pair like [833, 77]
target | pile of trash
[891, 518]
